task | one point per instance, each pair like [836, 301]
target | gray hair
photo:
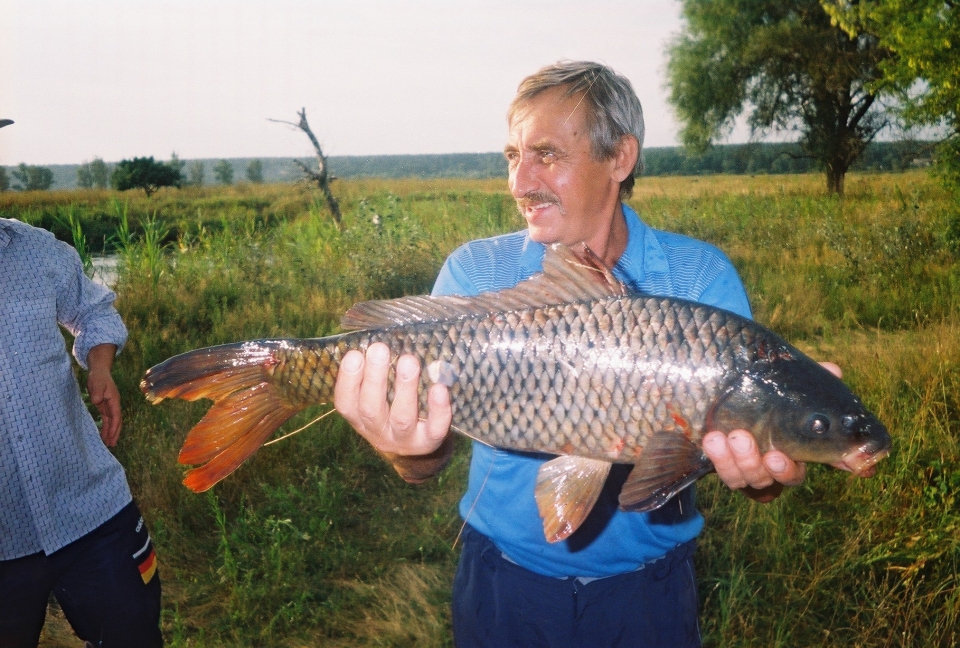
[613, 107]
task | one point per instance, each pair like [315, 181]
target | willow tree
[783, 64]
[924, 71]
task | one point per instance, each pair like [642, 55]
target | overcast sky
[122, 78]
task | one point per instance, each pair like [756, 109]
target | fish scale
[566, 363]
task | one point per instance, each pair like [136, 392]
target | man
[576, 131]
[68, 523]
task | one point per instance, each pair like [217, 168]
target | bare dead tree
[321, 177]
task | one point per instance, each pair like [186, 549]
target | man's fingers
[111, 420]
[833, 368]
[108, 404]
[360, 395]
[717, 449]
[106, 398]
[740, 465]
[748, 459]
[440, 413]
[737, 459]
[372, 409]
[346, 391]
[783, 469]
[405, 410]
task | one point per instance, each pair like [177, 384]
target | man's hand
[740, 465]
[103, 391]
[360, 396]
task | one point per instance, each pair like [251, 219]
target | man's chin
[544, 235]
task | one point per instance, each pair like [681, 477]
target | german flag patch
[146, 560]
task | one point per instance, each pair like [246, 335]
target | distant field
[315, 541]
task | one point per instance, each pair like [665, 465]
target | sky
[118, 79]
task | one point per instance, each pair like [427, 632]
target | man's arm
[103, 391]
[417, 448]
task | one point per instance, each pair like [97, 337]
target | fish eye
[819, 424]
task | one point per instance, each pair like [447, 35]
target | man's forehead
[549, 99]
[548, 114]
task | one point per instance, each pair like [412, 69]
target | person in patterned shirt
[68, 522]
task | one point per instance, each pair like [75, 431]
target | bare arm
[103, 391]
[418, 448]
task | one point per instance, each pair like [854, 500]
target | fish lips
[862, 460]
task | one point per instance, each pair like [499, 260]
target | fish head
[796, 406]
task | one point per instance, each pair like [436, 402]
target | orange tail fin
[247, 406]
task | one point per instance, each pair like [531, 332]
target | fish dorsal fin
[569, 275]
[567, 488]
[669, 463]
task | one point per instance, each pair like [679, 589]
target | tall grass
[315, 541]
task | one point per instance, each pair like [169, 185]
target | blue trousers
[498, 604]
[106, 583]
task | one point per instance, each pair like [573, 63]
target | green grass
[315, 541]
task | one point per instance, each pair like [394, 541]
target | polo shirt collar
[644, 254]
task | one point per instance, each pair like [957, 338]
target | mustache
[538, 198]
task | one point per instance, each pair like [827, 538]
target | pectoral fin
[567, 488]
[669, 463]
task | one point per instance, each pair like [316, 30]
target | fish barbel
[567, 363]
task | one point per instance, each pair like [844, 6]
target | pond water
[105, 269]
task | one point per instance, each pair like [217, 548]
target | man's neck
[610, 242]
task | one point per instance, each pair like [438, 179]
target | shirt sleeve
[701, 272]
[726, 291]
[85, 308]
[453, 278]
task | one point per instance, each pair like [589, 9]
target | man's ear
[626, 157]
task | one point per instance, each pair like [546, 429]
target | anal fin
[567, 488]
[669, 463]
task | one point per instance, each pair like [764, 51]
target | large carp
[567, 363]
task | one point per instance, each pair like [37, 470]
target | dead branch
[320, 177]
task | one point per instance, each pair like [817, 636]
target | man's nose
[523, 178]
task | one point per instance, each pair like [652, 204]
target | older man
[626, 579]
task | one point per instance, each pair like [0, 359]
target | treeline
[736, 159]
[765, 158]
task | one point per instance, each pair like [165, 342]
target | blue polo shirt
[499, 501]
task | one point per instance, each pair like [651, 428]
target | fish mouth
[862, 462]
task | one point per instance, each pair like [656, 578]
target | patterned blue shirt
[499, 501]
[58, 481]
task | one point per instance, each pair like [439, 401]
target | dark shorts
[497, 603]
[106, 583]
